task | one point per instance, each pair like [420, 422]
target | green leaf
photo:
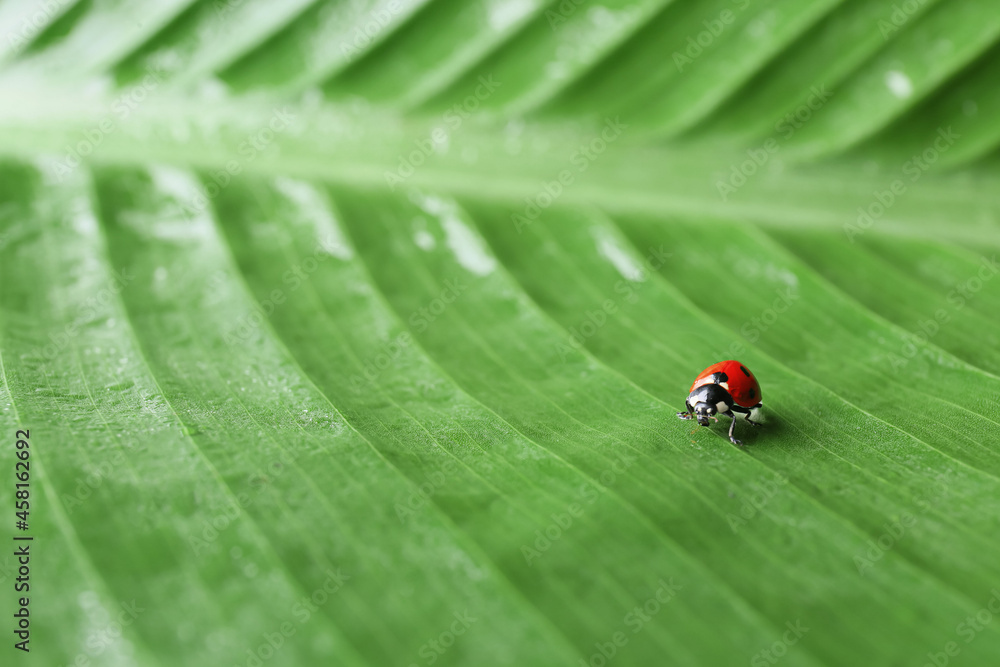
[354, 332]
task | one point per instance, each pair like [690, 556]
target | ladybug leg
[750, 415]
[686, 415]
[732, 427]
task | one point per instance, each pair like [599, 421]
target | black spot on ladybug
[723, 378]
[753, 393]
[745, 371]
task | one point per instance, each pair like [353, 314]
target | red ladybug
[727, 387]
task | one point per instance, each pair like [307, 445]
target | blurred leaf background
[352, 332]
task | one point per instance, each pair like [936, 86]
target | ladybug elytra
[727, 388]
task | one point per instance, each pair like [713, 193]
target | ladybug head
[708, 400]
[704, 411]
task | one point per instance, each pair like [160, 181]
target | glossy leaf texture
[354, 332]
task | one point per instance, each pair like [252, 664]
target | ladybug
[728, 388]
